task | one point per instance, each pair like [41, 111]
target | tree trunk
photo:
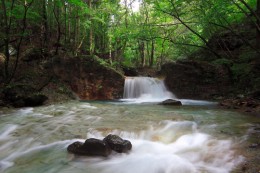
[56, 12]
[44, 28]
[152, 54]
[7, 26]
[18, 47]
[142, 55]
[69, 23]
[91, 36]
[258, 23]
[65, 22]
[6, 39]
[75, 31]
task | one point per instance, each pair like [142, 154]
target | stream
[165, 139]
[197, 137]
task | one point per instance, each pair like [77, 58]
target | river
[197, 137]
[165, 139]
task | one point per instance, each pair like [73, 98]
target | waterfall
[146, 89]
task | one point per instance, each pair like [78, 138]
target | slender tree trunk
[91, 35]
[148, 55]
[142, 55]
[161, 55]
[7, 26]
[69, 23]
[258, 22]
[126, 13]
[65, 21]
[75, 31]
[56, 12]
[6, 39]
[18, 47]
[152, 54]
[44, 28]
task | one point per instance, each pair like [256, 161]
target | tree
[258, 23]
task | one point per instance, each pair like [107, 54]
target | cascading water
[150, 90]
[146, 89]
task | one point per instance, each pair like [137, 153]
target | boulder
[91, 147]
[171, 102]
[118, 144]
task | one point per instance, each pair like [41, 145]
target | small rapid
[164, 139]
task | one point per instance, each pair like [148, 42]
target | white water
[147, 89]
[37, 139]
[165, 139]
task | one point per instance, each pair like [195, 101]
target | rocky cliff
[60, 78]
[89, 78]
[196, 79]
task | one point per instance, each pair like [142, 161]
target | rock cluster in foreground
[97, 147]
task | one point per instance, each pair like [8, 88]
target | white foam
[87, 105]
[161, 150]
[7, 131]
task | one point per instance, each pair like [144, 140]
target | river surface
[185, 139]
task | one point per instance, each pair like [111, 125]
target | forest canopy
[129, 32]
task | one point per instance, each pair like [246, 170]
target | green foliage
[223, 61]
[247, 56]
[176, 27]
[240, 71]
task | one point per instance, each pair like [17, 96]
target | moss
[240, 70]
[247, 56]
[223, 61]
[92, 60]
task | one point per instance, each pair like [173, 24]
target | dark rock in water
[118, 144]
[91, 147]
[171, 102]
[75, 147]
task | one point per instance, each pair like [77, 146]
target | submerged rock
[118, 144]
[171, 102]
[91, 147]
